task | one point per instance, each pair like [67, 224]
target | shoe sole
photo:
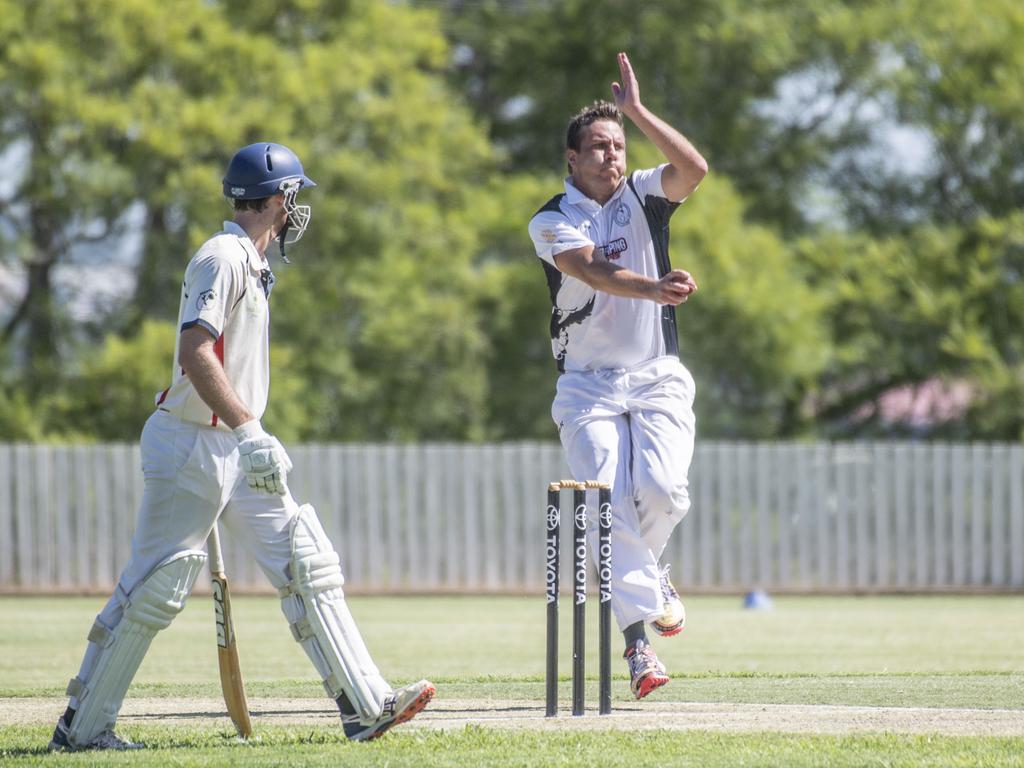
[54, 746]
[416, 706]
[650, 683]
[64, 746]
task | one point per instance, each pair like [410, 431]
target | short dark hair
[256, 204]
[599, 110]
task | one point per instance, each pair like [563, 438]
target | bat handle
[213, 546]
[213, 550]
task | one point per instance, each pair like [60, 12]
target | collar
[576, 197]
[257, 262]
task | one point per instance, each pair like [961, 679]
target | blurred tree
[382, 298]
[940, 303]
[951, 73]
[115, 390]
[788, 99]
[835, 263]
[18, 417]
[114, 393]
[103, 101]
[516, 309]
[753, 335]
[144, 105]
[866, 127]
[767, 90]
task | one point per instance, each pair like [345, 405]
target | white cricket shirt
[226, 290]
[592, 330]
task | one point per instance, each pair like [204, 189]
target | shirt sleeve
[213, 285]
[553, 234]
[648, 183]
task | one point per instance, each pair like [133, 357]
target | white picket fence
[436, 517]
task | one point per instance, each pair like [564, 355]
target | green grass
[474, 746]
[882, 651]
[466, 638]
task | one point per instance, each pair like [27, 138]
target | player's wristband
[249, 430]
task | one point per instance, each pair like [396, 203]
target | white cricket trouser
[192, 476]
[633, 428]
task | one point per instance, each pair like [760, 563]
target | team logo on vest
[205, 299]
[615, 248]
[623, 215]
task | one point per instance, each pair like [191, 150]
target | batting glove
[264, 460]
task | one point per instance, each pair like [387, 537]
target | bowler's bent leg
[598, 448]
[662, 451]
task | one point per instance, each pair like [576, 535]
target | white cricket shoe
[104, 740]
[400, 706]
[673, 620]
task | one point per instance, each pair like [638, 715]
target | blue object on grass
[757, 600]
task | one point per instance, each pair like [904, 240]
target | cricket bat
[227, 649]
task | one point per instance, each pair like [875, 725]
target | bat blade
[227, 656]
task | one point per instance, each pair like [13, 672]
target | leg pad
[314, 604]
[148, 608]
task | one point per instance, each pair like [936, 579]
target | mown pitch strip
[529, 714]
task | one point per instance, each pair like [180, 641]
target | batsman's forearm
[207, 375]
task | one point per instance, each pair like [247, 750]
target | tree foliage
[379, 318]
[941, 302]
[753, 335]
[860, 230]
[878, 139]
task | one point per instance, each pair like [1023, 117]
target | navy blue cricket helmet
[261, 170]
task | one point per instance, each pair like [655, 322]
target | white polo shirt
[226, 288]
[592, 330]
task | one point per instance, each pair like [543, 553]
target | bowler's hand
[627, 94]
[674, 288]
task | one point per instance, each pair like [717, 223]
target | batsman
[206, 458]
[624, 401]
